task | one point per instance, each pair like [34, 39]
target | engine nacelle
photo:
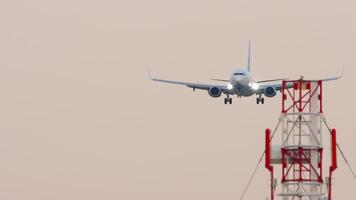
[214, 92]
[270, 91]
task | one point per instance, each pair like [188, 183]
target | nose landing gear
[228, 100]
[260, 99]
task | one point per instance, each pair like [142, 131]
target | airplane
[240, 84]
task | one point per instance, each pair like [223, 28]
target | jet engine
[270, 91]
[214, 92]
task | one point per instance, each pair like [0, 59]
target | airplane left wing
[223, 88]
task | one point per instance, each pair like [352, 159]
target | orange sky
[80, 119]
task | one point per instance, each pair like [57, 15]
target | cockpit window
[241, 74]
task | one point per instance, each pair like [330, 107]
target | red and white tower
[300, 151]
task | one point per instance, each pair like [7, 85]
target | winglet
[149, 73]
[332, 78]
[342, 73]
[335, 77]
[249, 57]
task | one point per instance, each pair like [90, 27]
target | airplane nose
[238, 78]
[233, 78]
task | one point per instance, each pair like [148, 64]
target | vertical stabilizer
[249, 57]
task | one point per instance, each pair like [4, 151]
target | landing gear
[260, 99]
[228, 100]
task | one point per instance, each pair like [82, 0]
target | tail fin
[249, 57]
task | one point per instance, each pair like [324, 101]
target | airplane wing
[223, 88]
[263, 81]
[278, 86]
[332, 78]
[281, 79]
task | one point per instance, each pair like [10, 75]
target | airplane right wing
[332, 78]
[278, 86]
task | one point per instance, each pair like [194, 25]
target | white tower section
[300, 152]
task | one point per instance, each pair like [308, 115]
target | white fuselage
[242, 83]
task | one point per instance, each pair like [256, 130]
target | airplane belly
[245, 91]
[242, 87]
[248, 92]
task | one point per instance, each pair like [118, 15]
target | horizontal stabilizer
[272, 80]
[222, 80]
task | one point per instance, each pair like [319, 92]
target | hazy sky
[80, 119]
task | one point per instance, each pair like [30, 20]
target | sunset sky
[81, 120]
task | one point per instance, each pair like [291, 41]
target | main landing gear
[260, 99]
[228, 100]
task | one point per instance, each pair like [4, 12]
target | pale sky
[81, 120]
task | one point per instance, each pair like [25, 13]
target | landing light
[230, 86]
[254, 86]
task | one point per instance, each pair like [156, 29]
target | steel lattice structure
[300, 152]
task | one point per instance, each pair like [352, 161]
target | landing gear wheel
[228, 100]
[260, 99]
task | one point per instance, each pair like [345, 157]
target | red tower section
[300, 152]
